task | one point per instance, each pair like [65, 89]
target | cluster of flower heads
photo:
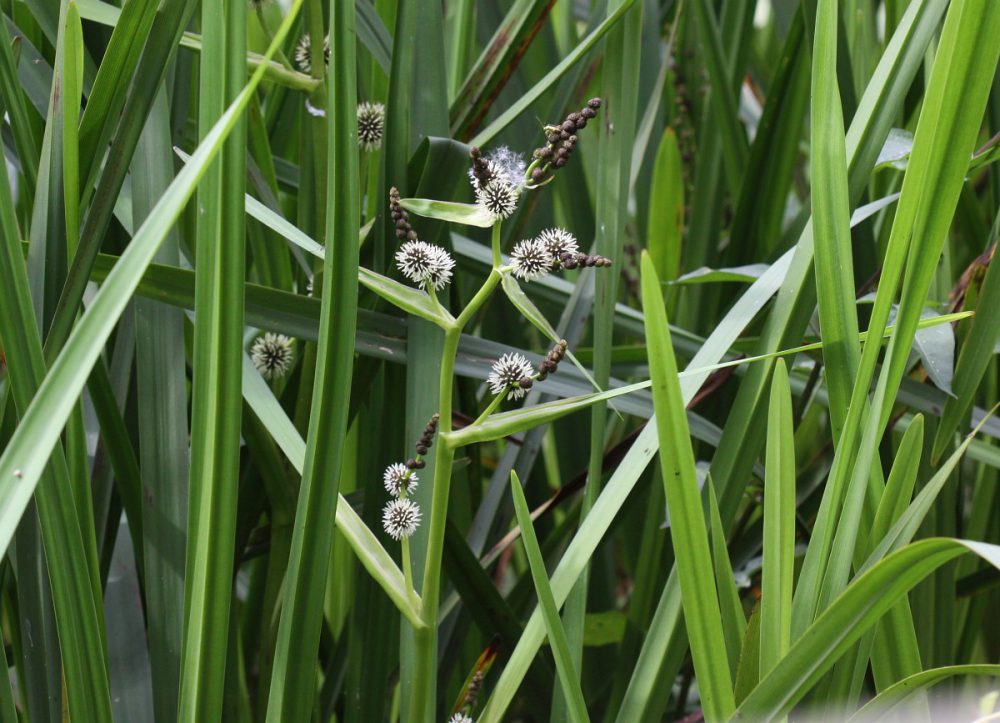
[497, 179]
[560, 142]
[513, 373]
[271, 355]
[401, 515]
[426, 265]
[371, 125]
[551, 250]
[303, 53]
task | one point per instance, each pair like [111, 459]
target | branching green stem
[424, 684]
[495, 245]
[490, 409]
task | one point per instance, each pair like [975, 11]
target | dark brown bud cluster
[424, 443]
[473, 691]
[404, 231]
[550, 364]
[481, 171]
[575, 260]
[561, 140]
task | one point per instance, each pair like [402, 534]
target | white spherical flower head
[441, 267]
[507, 371]
[558, 241]
[531, 259]
[371, 125]
[398, 478]
[498, 198]
[400, 518]
[460, 718]
[425, 264]
[271, 355]
[303, 53]
[416, 260]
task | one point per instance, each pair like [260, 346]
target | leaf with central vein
[292, 679]
[831, 221]
[690, 536]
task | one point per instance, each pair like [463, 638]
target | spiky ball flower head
[559, 242]
[507, 373]
[441, 269]
[399, 478]
[271, 355]
[303, 53]
[531, 258]
[400, 518]
[498, 198]
[460, 718]
[371, 125]
[425, 264]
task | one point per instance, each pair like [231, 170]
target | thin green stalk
[424, 684]
[408, 570]
[495, 244]
[490, 408]
[265, 26]
[478, 300]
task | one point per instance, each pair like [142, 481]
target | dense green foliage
[524, 360]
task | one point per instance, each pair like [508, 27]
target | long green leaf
[892, 696]
[734, 621]
[947, 128]
[71, 575]
[698, 593]
[152, 66]
[503, 424]
[779, 526]
[161, 384]
[215, 398]
[734, 140]
[831, 220]
[292, 680]
[469, 214]
[859, 607]
[666, 212]
[569, 678]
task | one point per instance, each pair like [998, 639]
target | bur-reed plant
[337, 338]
